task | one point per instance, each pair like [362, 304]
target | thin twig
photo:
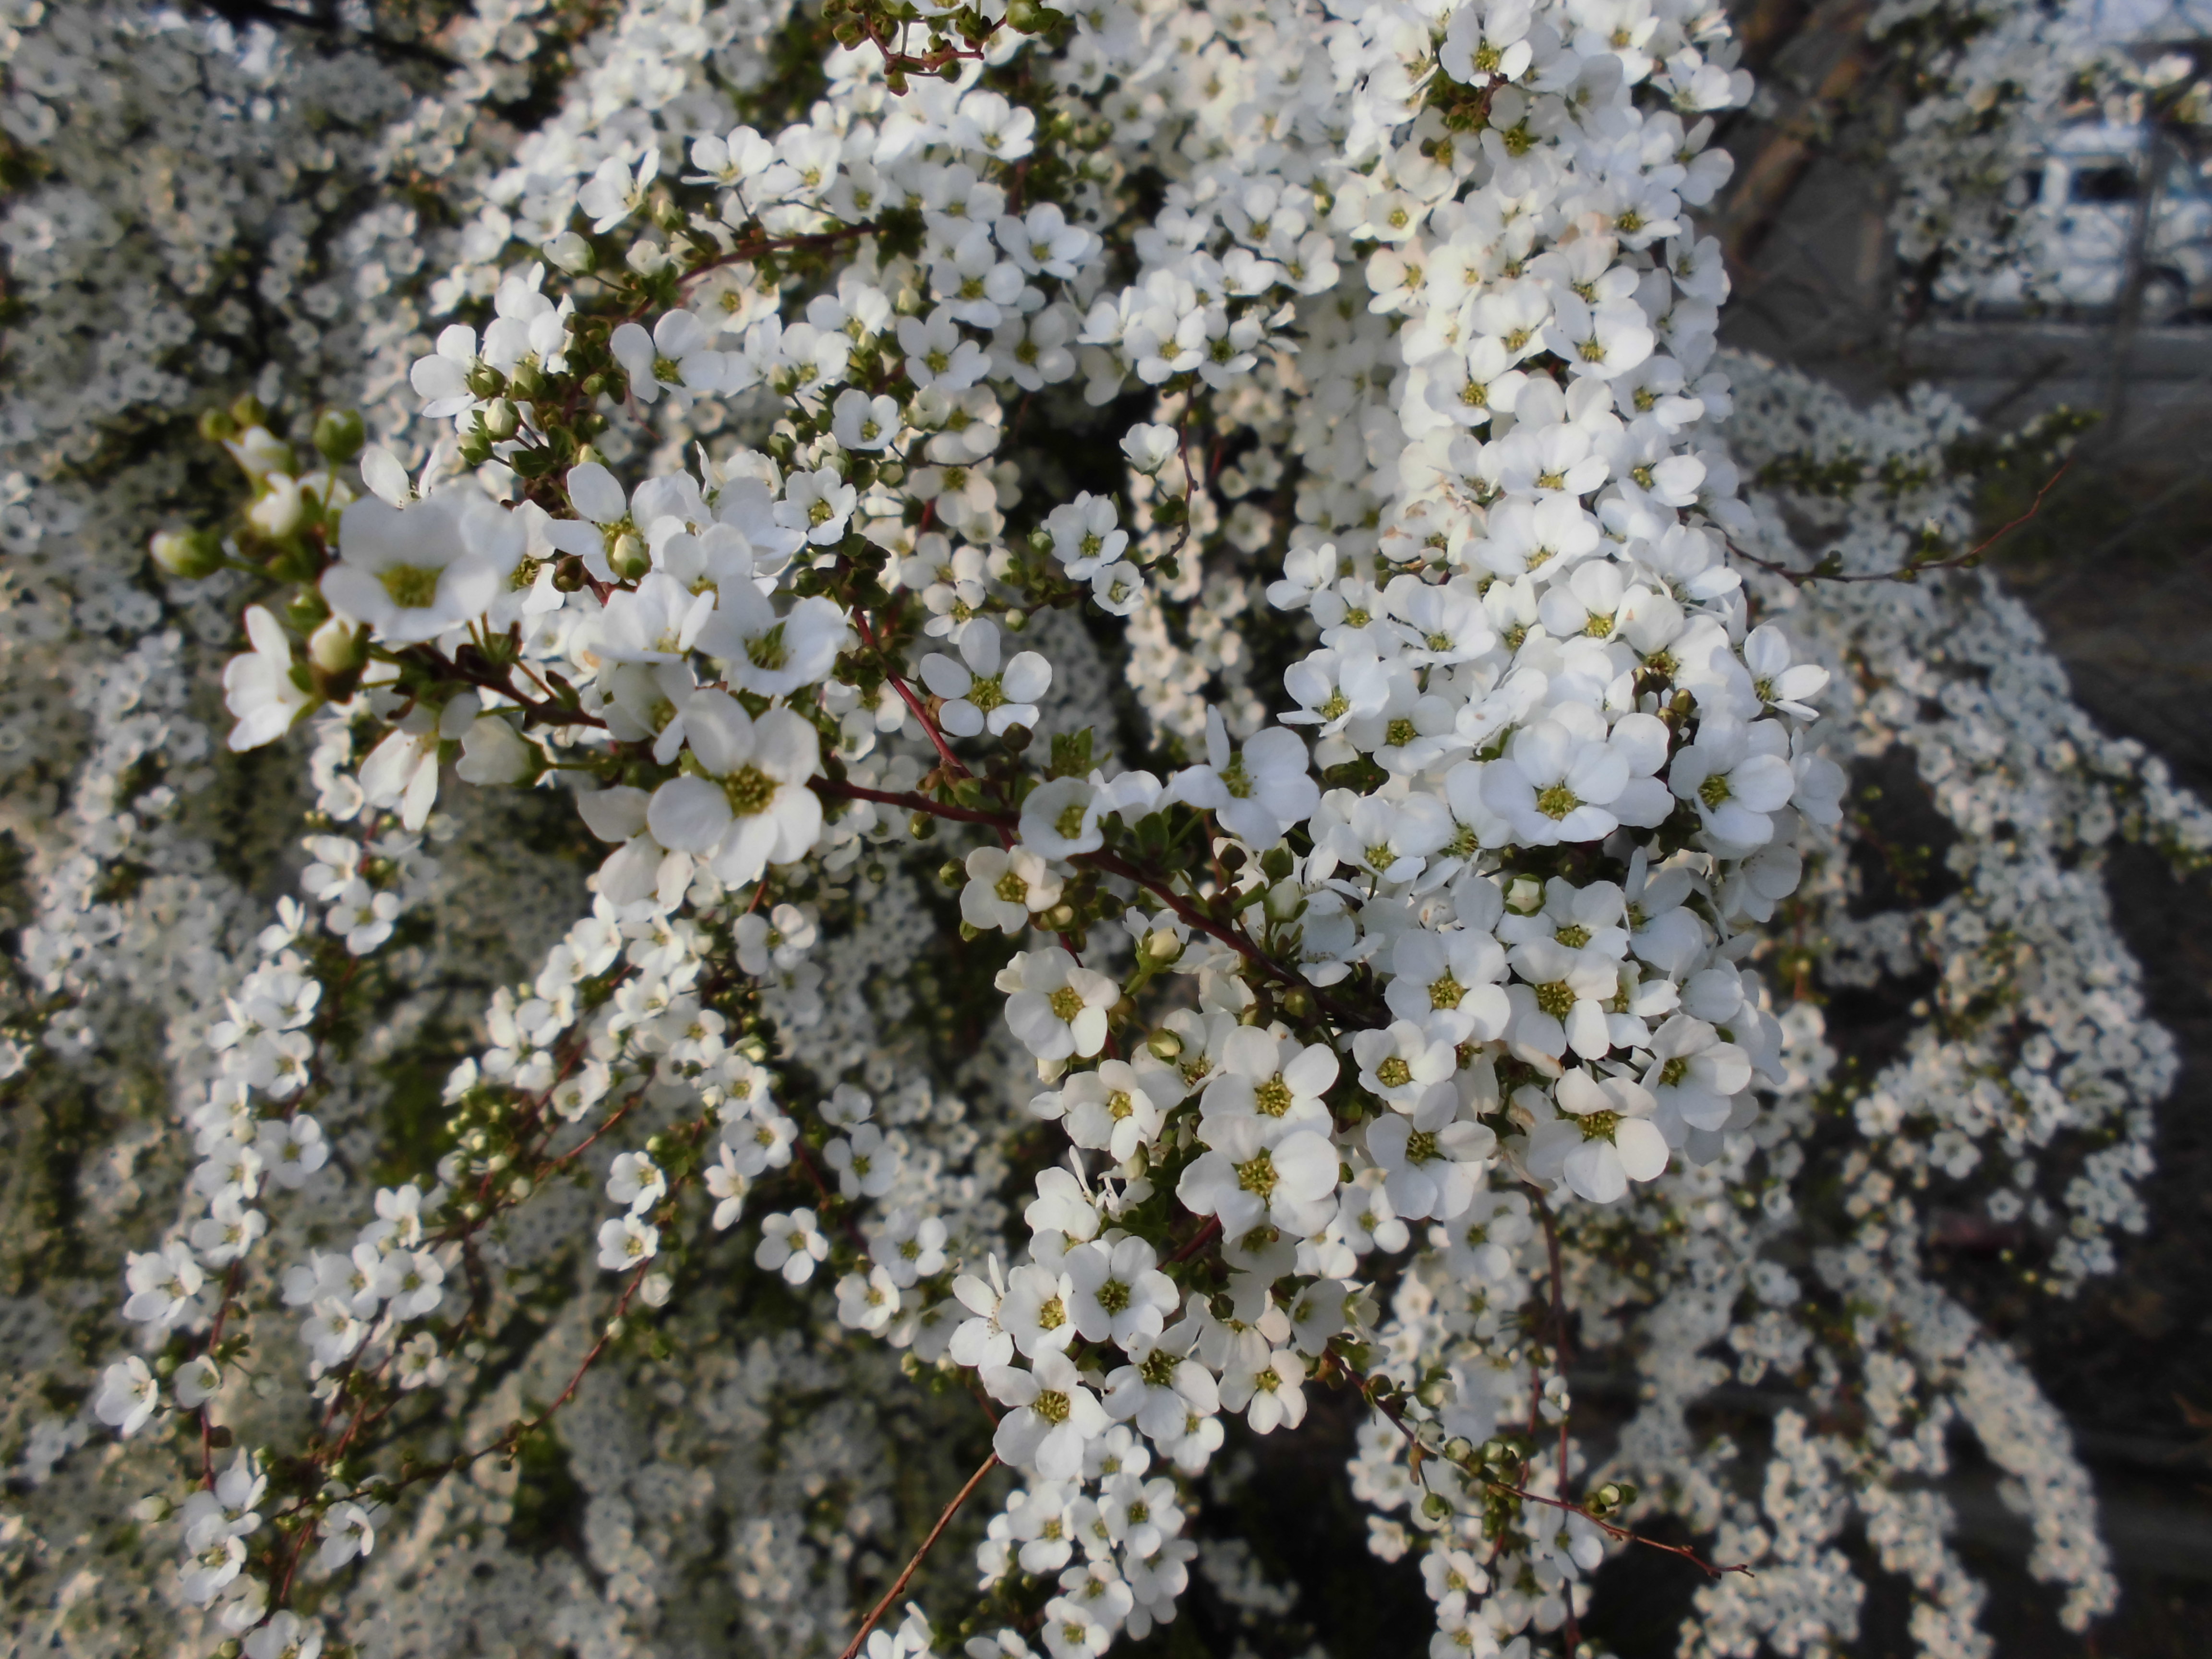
[1907, 571]
[936, 1532]
[1380, 1399]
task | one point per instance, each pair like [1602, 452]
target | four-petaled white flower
[979, 694]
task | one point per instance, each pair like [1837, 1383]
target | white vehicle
[2081, 201]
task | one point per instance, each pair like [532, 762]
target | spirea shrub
[806, 802]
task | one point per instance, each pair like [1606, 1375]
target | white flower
[1257, 793]
[910, 1247]
[1735, 776]
[1052, 1416]
[727, 1185]
[286, 1635]
[1056, 1007]
[865, 1166]
[760, 1141]
[636, 1180]
[129, 1395]
[1036, 1310]
[1118, 1293]
[625, 1242]
[817, 506]
[349, 1530]
[1004, 889]
[1163, 1387]
[164, 1285]
[1448, 984]
[1256, 1172]
[1257, 1074]
[1116, 1108]
[1562, 1004]
[210, 1567]
[989, 123]
[679, 352]
[979, 695]
[421, 1365]
[791, 1244]
[257, 685]
[867, 1302]
[1060, 820]
[980, 1339]
[748, 806]
[657, 621]
[1085, 536]
[938, 356]
[493, 753]
[1605, 1139]
[1263, 1382]
[227, 1232]
[1693, 1073]
[860, 422]
[1403, 1063]
[1430, 1161]
[410, 573]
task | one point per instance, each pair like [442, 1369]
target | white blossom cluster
[797, 398]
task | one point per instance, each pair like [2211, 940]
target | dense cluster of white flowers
[705, 473]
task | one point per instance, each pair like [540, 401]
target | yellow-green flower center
[412, 586]
[749, 790]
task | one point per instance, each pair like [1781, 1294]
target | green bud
[921, 826]
[500, 419]
[247, 412]
[338, 435]
[217, 426]
[952, 873]
[1165, 1045]
[191, 555]
[527, 382]
[1016, 737]
[337, 646]
[568, 574]
[307, 611]
[485, 381]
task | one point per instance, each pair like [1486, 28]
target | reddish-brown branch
[1905, 571]
[1381, 1400]
[899, 1585]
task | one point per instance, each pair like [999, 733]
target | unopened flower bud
[188, 554]
[337, 646]
[485, 381]
[1165, 1045]
[500, 420]
[279, 509]
[1163, 947]
[571, 253]
[338, 435]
